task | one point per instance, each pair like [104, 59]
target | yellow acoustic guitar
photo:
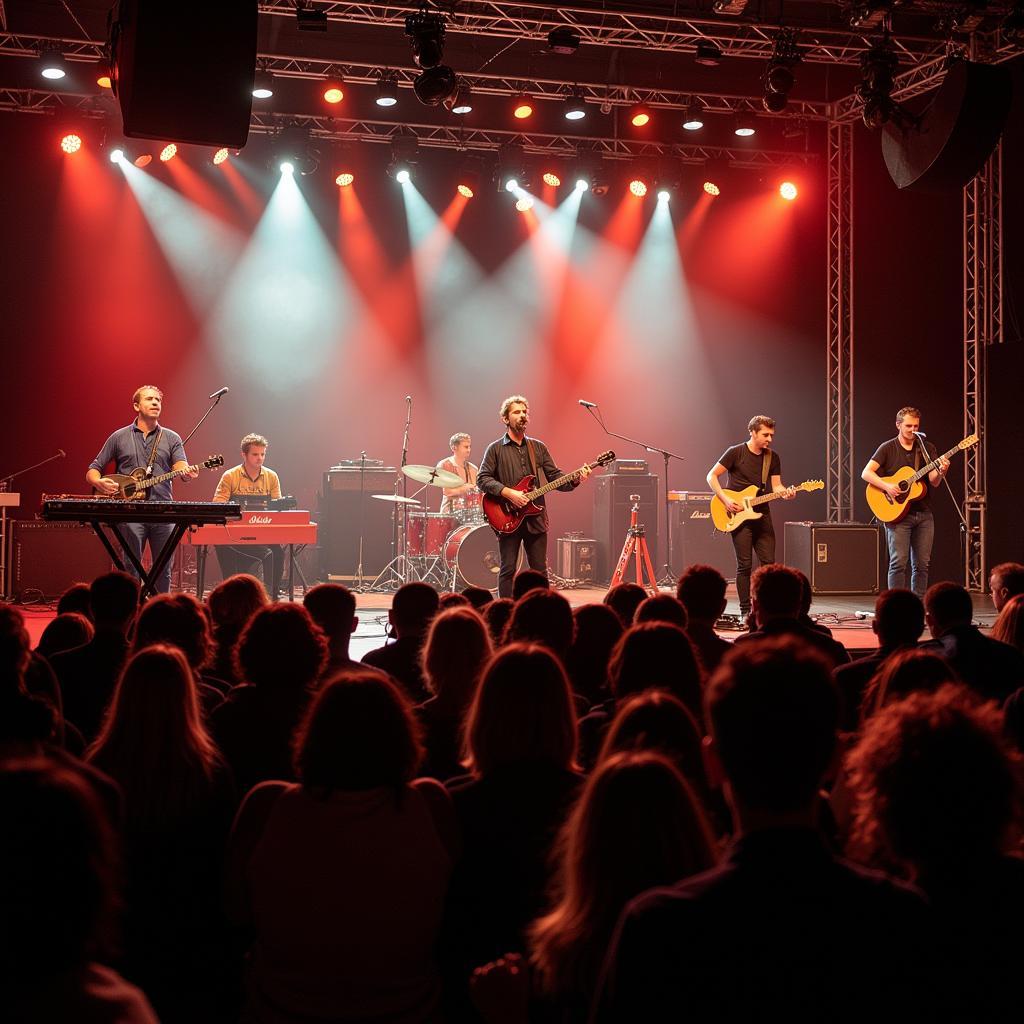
[887, 508]
[727, 521]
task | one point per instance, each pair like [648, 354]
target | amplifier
[694, 538]
[629, 466]
[350, 512]
[46, 558]
[838, 558]
[577, 558]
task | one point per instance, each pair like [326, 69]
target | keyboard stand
[160, 559]
[203, 549]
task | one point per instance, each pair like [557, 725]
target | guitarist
[147, 445]
[751, 462]
[910, 537]
[505, 462]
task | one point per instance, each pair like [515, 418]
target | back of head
[522, 713]
[496, 615]
[902, 673]
[235, 601]
[69, 629]
[527, 580]
[176, 619]
[899, 617]
[1009, 627]
[333, 607]
[773, 711]
[624, 600]
[114, 599]
[947, 605]
[661, 608]
[701, 589]
[14, 645]
[358, 733]
[935, 782]
[75, 599]
[542, 617]
[597, 632]
[777, 591]
[457, 648]
[478, 597]
[452, 600]
[1009, 576]
[415, 604]
[656, 655]
[281, 647]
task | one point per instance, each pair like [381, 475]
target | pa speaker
[956, 134]
[183, 73]
[354, 522]
[612, 509]
[46, 558]
[838, 558]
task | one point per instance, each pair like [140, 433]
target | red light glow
[522, 109]
[466, 191]
[344, 179]
[788, 190]
[142, 161]
[103, 81]
[712, 189]
[638, 187]
[71, 143]
[334, 94]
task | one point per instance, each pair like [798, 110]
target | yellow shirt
[237, 482]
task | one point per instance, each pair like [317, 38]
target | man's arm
[223, 492]
[714, 482]
[936, 476]
[778, 487]
[869, 474]
[94, 475]
[452, 492]
[487, 482]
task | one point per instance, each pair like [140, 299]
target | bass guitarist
[147, 445]
[751, 462]
[910, 537]
[506, 461]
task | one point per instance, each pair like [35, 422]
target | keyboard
[108, 510]
[258, 526]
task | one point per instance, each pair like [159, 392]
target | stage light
[405, 148]
[52, 65]
[744, 126]
[639, 116]
[638, 187]
[469, 178]
[524, 203]
[426, 30]
[878, 69]
[287, 167]
[436, 85]
[582, 184]
[693, 119]
[263, 85]
[143, 160]
[778, 73]
[712, 188]
[403, 175]
[664, 195]
[522, 107]
[511, 184]
[552, 179]
[573, 108]
[344, 179]
[564, 40]
[308, 18]
[220, 156]
[708, 54]
[71, 142]
[461, 102]
[387, 91]
[116, 155]
[103, 75]
[788, 190]
[465, 190]
[334, 92]
[510, 172]
[168, 152]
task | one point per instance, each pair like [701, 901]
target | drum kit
[450, 549]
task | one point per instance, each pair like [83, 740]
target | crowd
[513, 811]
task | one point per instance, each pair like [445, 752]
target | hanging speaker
[185, 74]
[955, 135]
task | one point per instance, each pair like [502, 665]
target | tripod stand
[635, 546]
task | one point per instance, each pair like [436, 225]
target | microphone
[920, 433]
[63, 454]
[588, 405]
[217, 394]
[408, 398]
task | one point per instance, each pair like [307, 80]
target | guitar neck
[153, 481]
[934, 464]
[554, 484]
[767, 497]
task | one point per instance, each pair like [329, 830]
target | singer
[910, 538]
[143, 443]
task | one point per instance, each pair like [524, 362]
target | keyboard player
[251, 479]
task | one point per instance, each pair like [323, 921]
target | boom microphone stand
[397, 571]
[668, 577]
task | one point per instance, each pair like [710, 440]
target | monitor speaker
[838, 558]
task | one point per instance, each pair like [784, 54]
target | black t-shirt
[891, 456]
[746, 468]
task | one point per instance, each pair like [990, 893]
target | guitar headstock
[604, 458]
[971, 439]
[213, 462]
[811, 485]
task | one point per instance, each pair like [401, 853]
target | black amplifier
[694, 538]
[838, 558]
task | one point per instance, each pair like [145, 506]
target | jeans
[536, 545]
[910, 540]
[755, 535]
[156, 533]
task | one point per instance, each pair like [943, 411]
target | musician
[251, 478]
[751, 462]
[910, 538]
[461, 446]
[505, 462]
[143, 444]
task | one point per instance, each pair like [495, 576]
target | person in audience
[527, 580]
[415, 604]
[26, 720]
[898, 623]
[701, 591]
[75, 599]
[88, 674]
[232, 603]
[806, 599]
[341, 877]
[905, 671]
[280, 656]
[937, 791]
[542, 616]
[597, 631]
[457, 648]
[452, 600]
[178, 804]
[1005, 580]
[68, 630]
[1009, 627]
[58, 890]
[624, 599]
[776, 595]
[661, 608]
[478, 597]
[333, 608]
[781, 927]
[496, 615]
[992, 668]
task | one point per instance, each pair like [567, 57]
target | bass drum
[471, 554]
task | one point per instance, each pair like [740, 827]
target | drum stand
[636, 547]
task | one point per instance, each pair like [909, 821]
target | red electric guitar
[504, 517]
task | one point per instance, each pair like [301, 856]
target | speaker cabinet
[577, 558]
[350, 511]
[611, 517]
[185, 75]
[838, 558]
[46, 558]
[694, 537]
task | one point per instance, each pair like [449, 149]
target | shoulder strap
[766, 465]
[538, 473]
[152, 454]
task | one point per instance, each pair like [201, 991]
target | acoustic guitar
[727, 521]
[135, 486]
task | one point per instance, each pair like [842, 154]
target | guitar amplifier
[838, 558]
[350, 515]
[612, 509]
[46, 558]
[695, 541]
[577, 557]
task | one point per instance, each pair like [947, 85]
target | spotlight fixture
[708, 54]
[169, 152]
[71, 142]
[878, 69]
[551, 179]
[573, 107]
[712, 188]
[263, 85]
[564, 40]
[715, 171]
[524, 203]
[405, 148]
[639, 115]
[130, 153]
[778, 73]
[666, 179]
[436, 85]
[582, 182]
[308, 18]
[117, 155]
[403, 175]
[103, 77]
[52, 65]
[143, 160]
[462, 102]
[638, 187]
[344, 179]
[387, 90]
[286, 167]
[744, 126]
[469, 184]
[693, 118]
[522, 107]
[788, 190]
[334, 91]
[294, 147]
[426, 30]
[220, 156]
[510, 172]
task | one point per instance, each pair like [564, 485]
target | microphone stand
[965, 537]
[668, 577]
[397, 570]
[202, 420]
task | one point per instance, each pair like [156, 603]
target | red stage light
[712, 189]
[524, 204]
[638, 187]
[142, 161]
[103, 81]
[466, 191]
[552, 179]
[71, 143]
[344, 179]
[168, 152]
[220, 156]
[788, 190]
[639, 116]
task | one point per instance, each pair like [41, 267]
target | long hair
[637, 825]
[457, 648]
[153, 742]
[1009, 626]
[902, 673]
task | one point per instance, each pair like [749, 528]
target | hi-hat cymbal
[395, 497]
[430, 475]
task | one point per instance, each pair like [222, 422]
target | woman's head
[458, 645]
[177, 619]
[656, 655]
[281, 647]
[67, 630]
[235, 601]
[1009, 627]
[905, 672]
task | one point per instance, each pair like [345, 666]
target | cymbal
[429, 475]
[395, 497]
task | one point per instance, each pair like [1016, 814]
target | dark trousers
[155, 534]
[536, 547]
[245, 557]
[756, 535]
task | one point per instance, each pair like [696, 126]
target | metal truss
[983, 326]
[839, 360]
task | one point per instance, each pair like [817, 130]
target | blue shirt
[128, 448]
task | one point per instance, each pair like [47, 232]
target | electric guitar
[504, 517]
[727, 521]
[889, 509]
[135, 486]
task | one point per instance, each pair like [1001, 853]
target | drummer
[457, 498]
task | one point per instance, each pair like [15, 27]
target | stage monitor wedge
[184, 73]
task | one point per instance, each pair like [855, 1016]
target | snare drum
[468, 508]
[471, 553]
[425, 533]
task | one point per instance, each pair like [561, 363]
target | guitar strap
[537, 472]
[766, 465]
[152, 454]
